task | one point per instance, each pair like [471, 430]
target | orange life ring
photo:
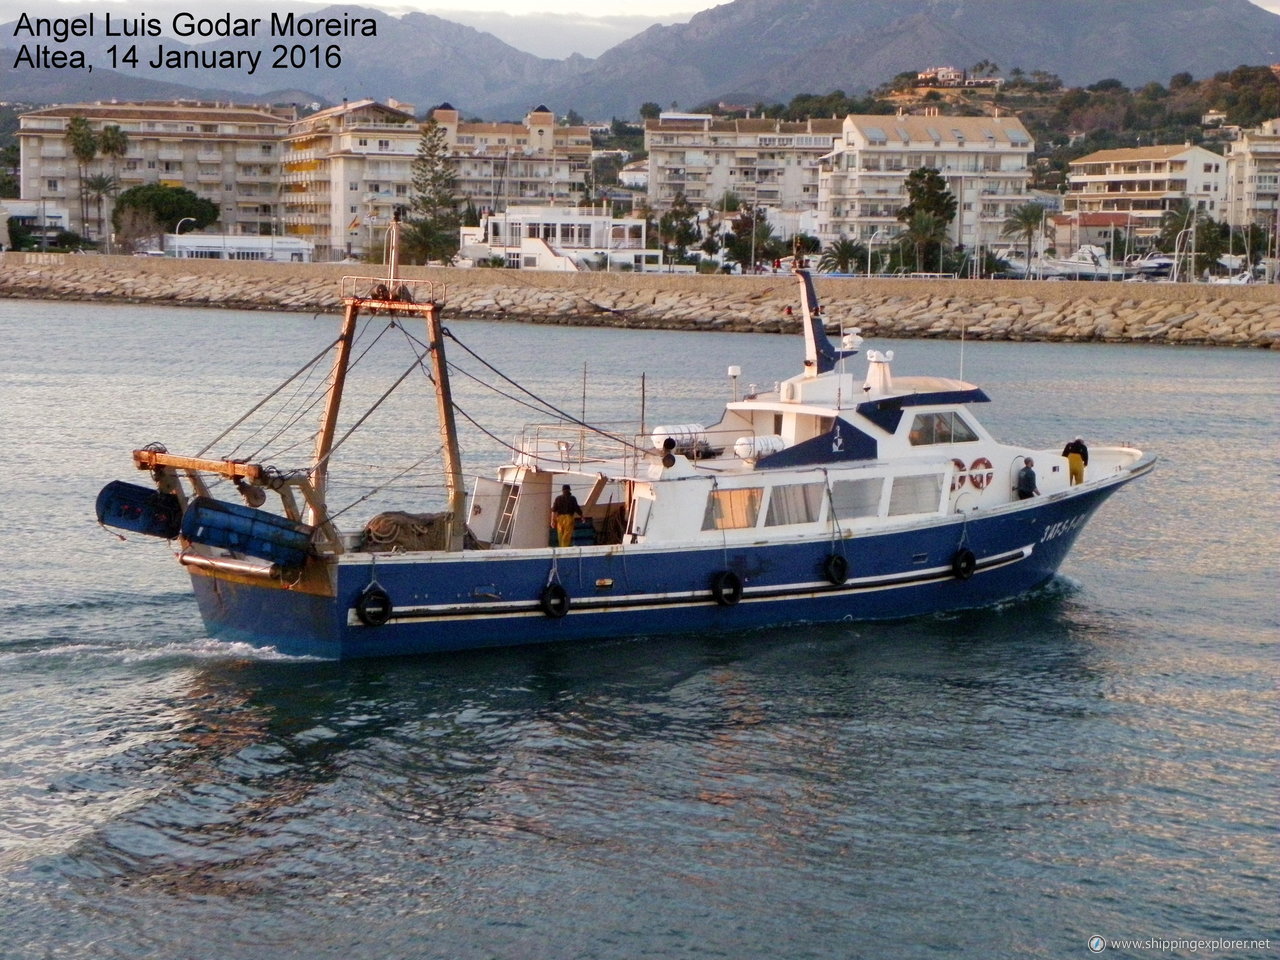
[959, 477]
[981, 473]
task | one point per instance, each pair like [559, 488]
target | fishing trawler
[837, 495]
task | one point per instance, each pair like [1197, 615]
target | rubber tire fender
[726, 588]
[374, 606]
[836, 569]
[964, 563]
[554, 601]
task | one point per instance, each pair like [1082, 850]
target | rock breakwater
[1245, 316]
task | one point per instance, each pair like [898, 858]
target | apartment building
[534, 162]
[1146, 182]
[765, 163]
[227, 153]
[862, 182]
[334, 178]
[343, 173]
[1253, 177]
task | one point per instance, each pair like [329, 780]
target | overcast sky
[546, 28]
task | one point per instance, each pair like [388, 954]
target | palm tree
[841, 256]
[84, 147]
[924, 231]
[97, 187]
[113, 142]
[1024, 221]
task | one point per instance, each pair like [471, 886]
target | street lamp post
[871, 243]
[177, 230]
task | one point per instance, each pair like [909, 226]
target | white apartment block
[346, 170]
[228, 154]
[334, 178]
[1146, 182]
[343, 173]
[533, 163]
[1253, 177]
[863, 181]
[765, 163]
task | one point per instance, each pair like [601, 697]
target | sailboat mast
[456, 522]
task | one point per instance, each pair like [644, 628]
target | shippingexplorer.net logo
[1099, 944]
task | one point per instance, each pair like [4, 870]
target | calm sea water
[1098, 759]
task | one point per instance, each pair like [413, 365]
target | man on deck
[1077, 455]
[563, 512]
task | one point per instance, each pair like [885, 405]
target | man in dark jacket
[1077, 455]
[1027, 481]
[563, 512]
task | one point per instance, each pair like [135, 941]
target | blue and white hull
[831, 497]
[471, 600]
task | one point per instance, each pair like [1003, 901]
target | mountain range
[747, 51]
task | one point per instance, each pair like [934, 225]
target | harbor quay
[1062, 311]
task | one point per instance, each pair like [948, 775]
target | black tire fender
[554, 601]
[964, 563]
[835, 568]
[726, 588]
[374, 606]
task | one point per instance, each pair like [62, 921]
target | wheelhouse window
[733, 509]
[851, 499]
[793, 503]
[931, 428]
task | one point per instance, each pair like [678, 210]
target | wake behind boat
[836, 496]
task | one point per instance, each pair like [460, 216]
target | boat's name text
[1055, 530]
[187, 27]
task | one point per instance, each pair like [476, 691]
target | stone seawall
[1243, 316]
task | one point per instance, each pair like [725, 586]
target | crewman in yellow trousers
[1077, 455]
[563, 512]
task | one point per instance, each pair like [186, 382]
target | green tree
[927, 192]
[84, 147]
[20, 236]
[10, 159]
[432, 231]
[929, 211]
[736, 244]
[678, 229]
[752, 240]
[649, 110]
[157, 208]
[842, 256]
[925, 231]
[1025, 221]
[98, 187]
[804, 244]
